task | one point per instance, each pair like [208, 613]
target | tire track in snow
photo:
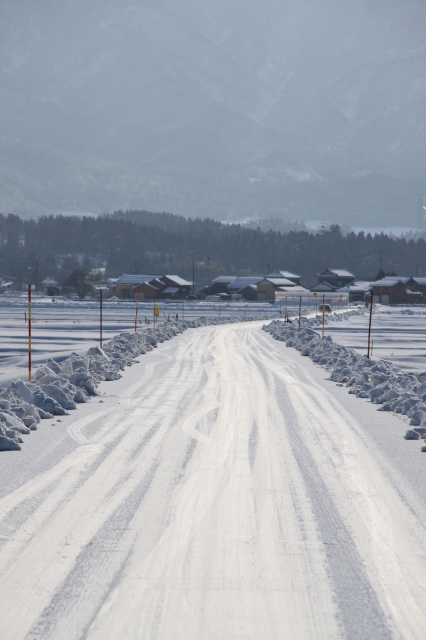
[221, 567]
[383, 524]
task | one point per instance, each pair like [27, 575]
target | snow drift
[379, 380]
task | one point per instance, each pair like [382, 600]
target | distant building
[249, 292]
[333, 279]
[149, 286]
[220, 284]
[240, 282]
[397, 290]
[268, 286]
[167, 286]
[285, 274]
[357, 290]
[125, 283]
[255, 287]
[51, 287]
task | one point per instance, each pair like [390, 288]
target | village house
[268, 286]
[285, 274]
[396, 290]
[255, 287]
[51, 287]
[332, 279]
[160, 286]
[167, 286]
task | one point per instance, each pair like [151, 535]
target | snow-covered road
[222, 490]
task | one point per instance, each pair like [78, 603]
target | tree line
[157, 243]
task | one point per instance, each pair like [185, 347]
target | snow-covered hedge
[380, 381]
[57, 387]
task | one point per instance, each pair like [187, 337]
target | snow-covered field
[398, 334]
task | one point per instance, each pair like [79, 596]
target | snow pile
[380, 381]
[57, 387]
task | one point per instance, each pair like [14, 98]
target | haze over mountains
[305, 109]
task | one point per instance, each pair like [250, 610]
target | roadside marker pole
[136, 316]
[183, 309]
[323, 311]
[154, 308]
[100, 318]
[285, 310]
[244, 309]
[300, 310]
[29, 333]
[219, 307]
[369, 324]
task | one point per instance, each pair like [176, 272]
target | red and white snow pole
[369, 324]
[323, 311]
[29, 333]
[100, 318]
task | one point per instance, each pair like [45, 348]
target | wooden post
[300, 310]
[323, 311]
[100, 318]
[29, 333]
[369, 324]
[136, 316]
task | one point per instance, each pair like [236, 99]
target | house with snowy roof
[160, 286]
[357, 290]
[285, 274]
[255, 287]
[333, 279]
[51, 287]
[167, 286]
[397, 290]
[417, 284]
[268, 286]
[240, 282]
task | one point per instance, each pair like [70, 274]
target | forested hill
[168, 244]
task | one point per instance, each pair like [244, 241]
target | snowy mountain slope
[215, 108]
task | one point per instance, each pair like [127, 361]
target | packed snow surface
[221, 489]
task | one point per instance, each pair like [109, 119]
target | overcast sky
[305, 109]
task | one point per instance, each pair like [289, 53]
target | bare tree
[82, 282]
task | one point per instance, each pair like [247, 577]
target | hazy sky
[307, 109]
